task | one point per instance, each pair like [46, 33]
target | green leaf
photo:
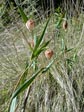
[75, 58]
[69, 49]
[48, 67]
[63, 45]
[45, 44]
[35, 40]
[23, 15]
[59, 22]
[23, 76]
[13, 105]
[26, 84]
[39, 50]
[40, 39]
[42, 35]
[25, 73]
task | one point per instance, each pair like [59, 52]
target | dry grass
[59, 90]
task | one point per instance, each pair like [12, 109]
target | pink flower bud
[65, 24]
[48, 53]
[30, 24]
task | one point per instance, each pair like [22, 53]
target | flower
[30, 24]
[65, 24]
[48, 53]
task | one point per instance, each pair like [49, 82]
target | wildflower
[65, 24]
[30, 24]
[48, 53]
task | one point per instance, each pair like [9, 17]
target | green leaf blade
[13, 105]
[25, 84]
[23, 15]
[40, 39]
[42, 48]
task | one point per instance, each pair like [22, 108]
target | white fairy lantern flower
[30, 24]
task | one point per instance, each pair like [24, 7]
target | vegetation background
[61, 88]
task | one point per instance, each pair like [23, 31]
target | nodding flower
[48, 53]
[65, 25]
[30, 24]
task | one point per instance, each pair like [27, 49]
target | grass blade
[38, 51]
[48, 66]
[69, 49]
[25, 73]
[58, 23]
[42, 35]
[40, 39]
[62, 45]
[13, 105]
[23, 15]
[26, 84]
